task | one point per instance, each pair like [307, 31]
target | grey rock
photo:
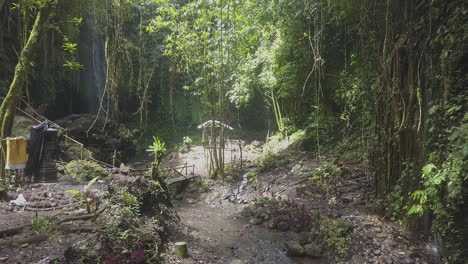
[294, 249]
[283, 226]
[256, 221]
[357, 259]
[261, 212]
[381, 235]
[273, 223]
[346, 199]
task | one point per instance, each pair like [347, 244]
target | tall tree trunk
[7, 109]
[1, 4]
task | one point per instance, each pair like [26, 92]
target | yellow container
[16, 156]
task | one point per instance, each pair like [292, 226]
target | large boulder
[21, 126]
[83, 170]
[104, 136]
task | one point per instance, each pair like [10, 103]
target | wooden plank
[170, 181]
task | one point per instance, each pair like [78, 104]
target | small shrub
[272, 161]
[187, 142]
[326, 176]
[336, 233]
[76, 152]
[42, 225]
[83, 170]
[252, 177]
[200, 186]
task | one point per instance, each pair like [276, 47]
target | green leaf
[90, 183]
[428, 169]
[416, 209]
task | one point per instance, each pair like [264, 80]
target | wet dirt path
[234, 238]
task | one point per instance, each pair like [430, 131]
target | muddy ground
[46, 199]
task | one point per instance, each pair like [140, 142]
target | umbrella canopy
[217, 123]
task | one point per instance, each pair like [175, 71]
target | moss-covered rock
[83, 170]
[21, 127]
[294, 249]
[104, 136]
[75, 152]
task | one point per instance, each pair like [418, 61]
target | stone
[256, 221]
[283, 226]
[312, 251]
[54, 259]
[272, 224]
[346, 199]
[357, 259]
[381, 235]
[294, 249]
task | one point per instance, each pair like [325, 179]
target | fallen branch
[83, 217]
[34, 209]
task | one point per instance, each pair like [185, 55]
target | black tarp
[36, 147]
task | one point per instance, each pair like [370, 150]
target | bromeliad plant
[85, 197]
[158, 149]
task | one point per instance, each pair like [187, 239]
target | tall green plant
[158, 149]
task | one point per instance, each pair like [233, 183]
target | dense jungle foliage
[384, 82]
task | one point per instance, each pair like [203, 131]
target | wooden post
[240, 148]
[181, 249]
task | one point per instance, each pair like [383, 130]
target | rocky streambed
[233, 239]
[282, 218]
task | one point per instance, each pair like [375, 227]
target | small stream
[236, 240]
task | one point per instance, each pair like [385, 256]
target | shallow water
[255, 244]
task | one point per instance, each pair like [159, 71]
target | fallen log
[15, 230]
[34, 209]
[19, 242]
